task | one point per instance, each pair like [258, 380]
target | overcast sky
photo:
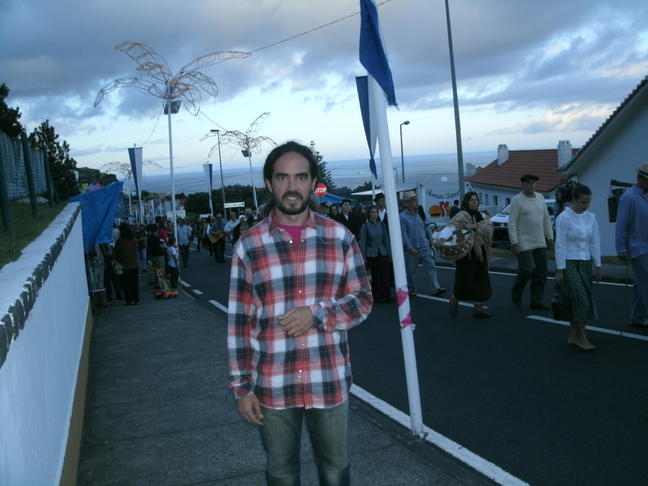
[529, 73]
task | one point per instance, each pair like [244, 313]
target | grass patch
[25, 228]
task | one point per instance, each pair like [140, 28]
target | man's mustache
[293, 194]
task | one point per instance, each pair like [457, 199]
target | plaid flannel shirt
[271, 274]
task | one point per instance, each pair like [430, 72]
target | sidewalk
[158, 411]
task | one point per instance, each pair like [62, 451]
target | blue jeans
[639, 302]
[143, 261]
[424, 257]
[327, 427]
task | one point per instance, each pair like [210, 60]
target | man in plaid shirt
[298, 284]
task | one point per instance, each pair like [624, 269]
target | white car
[500, 221]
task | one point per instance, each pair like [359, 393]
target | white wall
[38, 378]
[617, 159]
[502, 195]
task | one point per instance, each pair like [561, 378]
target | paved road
[509, 388]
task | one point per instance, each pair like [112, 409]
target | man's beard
[291, 210]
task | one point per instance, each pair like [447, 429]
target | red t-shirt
[293, 231]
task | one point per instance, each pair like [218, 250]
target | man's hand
[558, 277]
[250, 409]
[550, 244]
[439, 243]
[412, 251]
[598, 274]
[623, 256]
[515, 249]
[297, 321]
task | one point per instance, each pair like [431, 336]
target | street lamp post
[406, 122]
[172, 106]
[220, 164]
[247, 153]
[460, 164]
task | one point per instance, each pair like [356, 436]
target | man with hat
[632, 243]
[379, 201]
[530, 233]
[416, 243]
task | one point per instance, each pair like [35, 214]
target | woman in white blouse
[577, 246]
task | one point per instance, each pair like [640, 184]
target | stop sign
[320, 190]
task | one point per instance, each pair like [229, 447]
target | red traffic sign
[320, 190]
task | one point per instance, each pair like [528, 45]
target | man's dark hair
[126, 232]
[580, 190]
[279, 150]
[345, 200]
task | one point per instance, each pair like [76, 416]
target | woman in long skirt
[472, 282]
[577, 246]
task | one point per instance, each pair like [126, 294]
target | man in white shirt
[379, 200]
[531, 234]
[184, 238]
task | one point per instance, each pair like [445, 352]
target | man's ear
[268, 186]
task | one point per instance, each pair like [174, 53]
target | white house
[499, 181]
[614, 151]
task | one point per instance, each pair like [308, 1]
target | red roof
[543, 163]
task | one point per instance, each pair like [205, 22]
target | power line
[313, 29]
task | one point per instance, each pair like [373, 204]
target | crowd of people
[299, 283]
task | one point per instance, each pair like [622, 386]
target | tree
[9, 117]
[324, 175]
[62, 166]
[363, 187]
[344, 191]
[197, 203]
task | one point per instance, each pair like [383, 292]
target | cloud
[510, 56]
[68, 50]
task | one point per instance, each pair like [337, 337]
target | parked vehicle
[500, 222]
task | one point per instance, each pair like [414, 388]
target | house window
[495, 201]
[486, 200]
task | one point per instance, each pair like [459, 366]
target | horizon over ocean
[431, 170]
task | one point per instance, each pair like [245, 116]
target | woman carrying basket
[472, 282]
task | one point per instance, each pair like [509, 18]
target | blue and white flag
[372, 53]
[135, 156]
[207, 168]
[381, 92]
[367, 120]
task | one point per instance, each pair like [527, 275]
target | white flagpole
[378, 107]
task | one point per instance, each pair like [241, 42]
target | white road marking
[218, 305]
[602, 330]
[197, 292]
[184, 284]
[508, 274]
[478, 463]
[443, 299]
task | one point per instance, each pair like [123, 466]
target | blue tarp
[331, 199]
[98, 210]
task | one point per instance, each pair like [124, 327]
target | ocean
[432, 171]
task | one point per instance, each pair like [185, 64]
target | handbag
[118, 268]
[561, 305]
